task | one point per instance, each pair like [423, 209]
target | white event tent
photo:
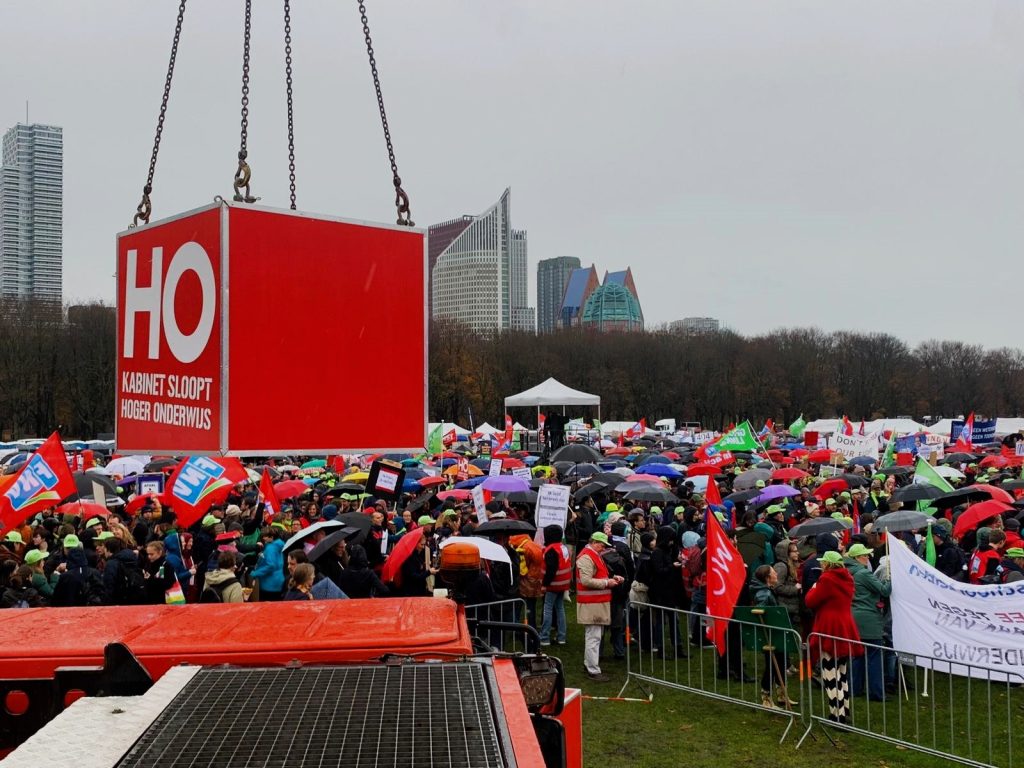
[552, 392]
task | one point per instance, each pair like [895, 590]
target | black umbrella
[651, 493]
[159, 465]
[590, 489]
[916, 492]
[818, 525]
[562, 466]
[1012, 485]
[854, 481]
[328, 542]
[481, 463]
[537, 482]
[742, 496]
[961, 496]
[897, 470]
[356, 520]
[85, 482]
[344, 488]
[577, 453]
[582, 470]
[606, 478]
[422, 500]
[903, 520]
[503, 527]
[327, 526]
[519, 497]
[959, 458]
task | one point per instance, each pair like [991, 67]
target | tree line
[57, 369]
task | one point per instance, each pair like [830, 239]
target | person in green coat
[762, 593]
[34, 559]
[869, 592]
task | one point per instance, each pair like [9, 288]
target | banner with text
[938, 618]
[852, 446]
[983, 431]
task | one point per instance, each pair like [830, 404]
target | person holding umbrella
[594, 598]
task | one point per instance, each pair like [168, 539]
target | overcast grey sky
[767, 162]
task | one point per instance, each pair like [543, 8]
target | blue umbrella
[473, 482]
[411, 486]
[531, 460]
[661, 470]
[481, 463]
[415, 473]
[445, 463]
[864, 461]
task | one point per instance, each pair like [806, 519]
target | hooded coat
[80, 584]
[831, 599]
[869, 591]
[665, 587]
[359, 580]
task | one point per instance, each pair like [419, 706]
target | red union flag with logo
[726, 574]
[199, 362]
[42, 482]
[200, 481]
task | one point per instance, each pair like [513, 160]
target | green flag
[796, 429]
[930, 555]
[741, 438]
[435, 444]
[926, 472]
[889, 457]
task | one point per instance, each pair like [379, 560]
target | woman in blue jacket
[270, 567]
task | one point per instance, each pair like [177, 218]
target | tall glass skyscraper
[479, 275]
[31, 212]
[552, 279]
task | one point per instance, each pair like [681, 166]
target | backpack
[214, 593]
[130, 588]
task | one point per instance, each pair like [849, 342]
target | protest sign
[981, 432]
[852, 446]
[1018, 448]
[386, 479]
[552, 505]
[522, 473]
[479, 504]
[495, 469]
[948, 621]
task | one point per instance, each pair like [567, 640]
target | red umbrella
[511, 463]
[671, 455]
[139, 502]
[993, 461]
[787, 460]
[996, 493]
[640, 477]
[820, 456]
[290, 488]
[829, 487]
[775, 454]
[799, 452]
[975, 513]
[84, 509]
[696, 470]
[429, 482]
[460, 494]
[403, 549]
[618, 452]
[790, 473]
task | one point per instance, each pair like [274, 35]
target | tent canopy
[551, 392]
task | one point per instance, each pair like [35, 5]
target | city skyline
[31, 212]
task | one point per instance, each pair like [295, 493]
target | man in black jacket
[619, 560]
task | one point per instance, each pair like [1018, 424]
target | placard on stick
[385, 480]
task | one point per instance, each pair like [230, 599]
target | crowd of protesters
[613, 552]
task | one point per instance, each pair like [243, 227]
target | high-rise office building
[552, 279]
[31, 212]
[695, 325]
[478, 277]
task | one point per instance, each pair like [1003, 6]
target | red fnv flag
[726, 574]
[200, 481]
[43, 481]
[271, 504]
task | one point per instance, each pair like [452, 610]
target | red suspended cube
[245, 330]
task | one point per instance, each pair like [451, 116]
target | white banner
[938, 618]
[478, 504]
[522, 473]
[852, 446]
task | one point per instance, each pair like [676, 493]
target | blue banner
[983, 432]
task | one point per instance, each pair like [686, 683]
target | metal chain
[244, 174]
[401, 198]
[145, 207]
[288, 89]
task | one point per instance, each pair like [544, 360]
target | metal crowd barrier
[662, 654]
[969, 718]
[511, 611]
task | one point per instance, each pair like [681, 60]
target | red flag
[712, 494]
[508, 429]
[847, 426]
[335, 463]
[861, 430]
[622, 442]
[271, 504]
[856, 517]
[965, 442]
[708, 449]
[638, 429]
[726, 574]
[449, 437]
[200, 481]
[42, 482]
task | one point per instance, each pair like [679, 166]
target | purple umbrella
[507, 483]
[773, 492]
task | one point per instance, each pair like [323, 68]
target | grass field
[679, 727]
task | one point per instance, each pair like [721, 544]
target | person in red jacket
[831, 599]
